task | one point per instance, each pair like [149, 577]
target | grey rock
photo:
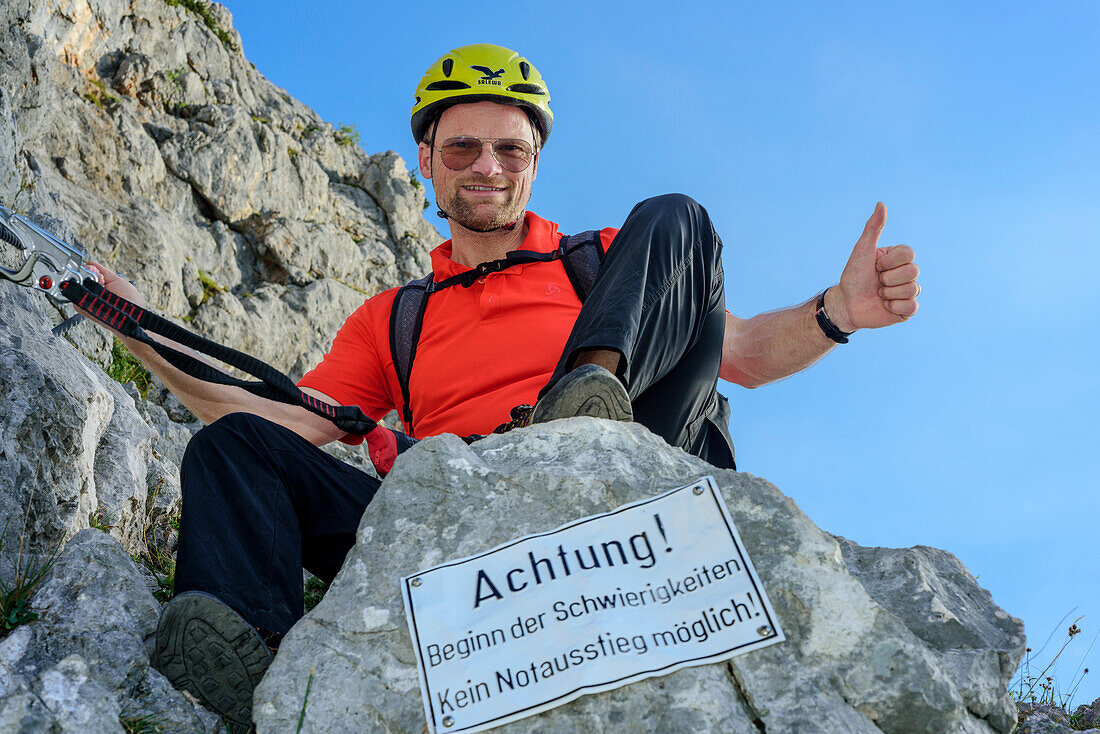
[84, 664]
[850, 662]
[1049, 718]
[938, 600]
[72, 443]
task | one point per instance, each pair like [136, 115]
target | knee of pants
[671, 208]
[678, 217]
[219, 436]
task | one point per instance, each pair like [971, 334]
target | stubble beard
[462, 212]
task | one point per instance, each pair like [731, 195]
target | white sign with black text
[642, 591]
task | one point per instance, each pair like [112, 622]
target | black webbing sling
[134, 322]
[581, 255]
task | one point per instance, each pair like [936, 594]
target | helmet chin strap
[439, 210]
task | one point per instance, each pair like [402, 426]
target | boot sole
[588, 390]
[206, 648]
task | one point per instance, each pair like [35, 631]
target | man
[260, 501]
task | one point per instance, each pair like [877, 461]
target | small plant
[173, 101]
[415, 181]
[305, 702]
[209, 286]
[1041, 688]
[309, 130]
[141, 723]
[95, 520]
[293, 153]
[202, 10]
[162, 565]
[259, 118]
[15, 599]
[346, 135]
[124, 368]
[98, 94]
[314, 592]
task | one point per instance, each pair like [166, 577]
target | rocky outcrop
[83, 666]
[1049, 718]
[149, 137]
[139, 130]
[878, 640]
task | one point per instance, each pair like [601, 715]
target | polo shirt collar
[542, 236]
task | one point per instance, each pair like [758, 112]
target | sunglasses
[512, 154]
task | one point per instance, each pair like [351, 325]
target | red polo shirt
[482, 351]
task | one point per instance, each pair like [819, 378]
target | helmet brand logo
[489, 76]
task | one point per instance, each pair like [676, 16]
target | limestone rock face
[83, 665]
[165, 153]
[133, 129]
[860, 656]
[72, 443]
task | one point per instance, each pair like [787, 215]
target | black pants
[260, 502]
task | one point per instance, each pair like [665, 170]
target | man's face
[484, 195]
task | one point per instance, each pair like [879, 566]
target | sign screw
[698, 490]
[448, 721]
[763, 630]
[415, 582]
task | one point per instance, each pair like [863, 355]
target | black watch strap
[827, 326]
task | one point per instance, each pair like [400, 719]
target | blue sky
[966, 428]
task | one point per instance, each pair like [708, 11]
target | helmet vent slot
[526, 88]
[446, 85]
[448, 65]
[525, 69]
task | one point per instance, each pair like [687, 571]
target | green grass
[346, 135]
[315, 592]
[305, 701]
[161, 564]
[15, 599]
[141, 723]
[201, 8]
[125, 368]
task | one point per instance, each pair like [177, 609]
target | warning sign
[642, 591]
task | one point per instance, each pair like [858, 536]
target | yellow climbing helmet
[482, 72]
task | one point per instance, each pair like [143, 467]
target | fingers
[904, 308]
[899, 292]
[899, 275]
[105, 276]
[892, 257]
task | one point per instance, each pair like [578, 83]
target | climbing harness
[58, 269]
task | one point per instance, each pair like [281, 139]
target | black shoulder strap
[581, 254]
[406, 318]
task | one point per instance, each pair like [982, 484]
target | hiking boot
[206, 648]
[588, 390]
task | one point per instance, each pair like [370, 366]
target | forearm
[210, 401]
[773, 345]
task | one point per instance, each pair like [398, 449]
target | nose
[486, 163]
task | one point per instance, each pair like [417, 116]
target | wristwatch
[827, 326]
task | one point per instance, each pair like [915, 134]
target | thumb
[867, 244]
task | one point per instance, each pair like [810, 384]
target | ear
[424, 158]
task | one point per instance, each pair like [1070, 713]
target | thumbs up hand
[879, 284]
